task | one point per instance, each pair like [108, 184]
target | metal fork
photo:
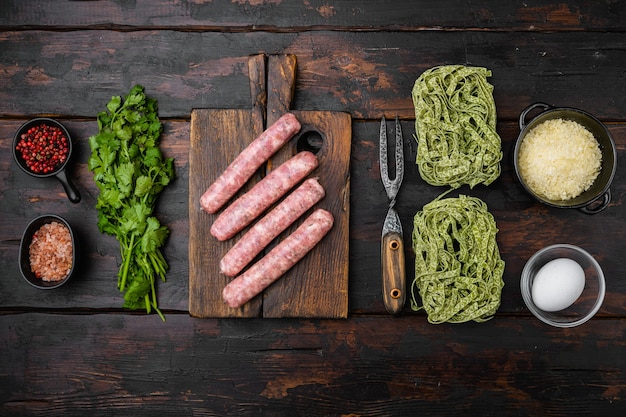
[392, 246]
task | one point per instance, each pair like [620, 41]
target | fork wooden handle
[394, 272]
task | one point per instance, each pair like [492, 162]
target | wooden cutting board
[318, 285]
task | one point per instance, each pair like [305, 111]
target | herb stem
[126, 263]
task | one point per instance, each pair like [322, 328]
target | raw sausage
[271, 225]
[265, 193]
[279, 260]
[248, 161]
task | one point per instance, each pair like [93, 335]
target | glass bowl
[589, 302]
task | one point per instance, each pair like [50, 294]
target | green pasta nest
[458, 269]
[455, 124]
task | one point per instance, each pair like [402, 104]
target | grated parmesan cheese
[559, 159]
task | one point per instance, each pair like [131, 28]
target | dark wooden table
[74, 351]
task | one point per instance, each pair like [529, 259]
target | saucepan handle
[524, 113]
[68, 186]
[598, 204]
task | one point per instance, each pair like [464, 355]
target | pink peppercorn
[43, 148]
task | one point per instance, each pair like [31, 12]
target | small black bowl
[59, 172]
[24, 258]
[598, 196]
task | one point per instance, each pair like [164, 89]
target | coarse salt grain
[50, 252]
[559, 159]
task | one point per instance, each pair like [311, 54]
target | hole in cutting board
[311, 141]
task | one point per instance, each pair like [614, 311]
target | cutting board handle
[281, 82]
[257, 73]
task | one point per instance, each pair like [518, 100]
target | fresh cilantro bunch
[130, 172]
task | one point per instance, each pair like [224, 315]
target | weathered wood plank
[112, 364]
[362, 73]
[525, 226]
[23, 198]
[314, 14]
[73, 352]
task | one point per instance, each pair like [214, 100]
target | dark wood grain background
[74, 351]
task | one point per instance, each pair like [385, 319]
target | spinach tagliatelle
[455, 124]
[458, 268]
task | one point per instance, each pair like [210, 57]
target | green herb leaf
[136, 291]
[124, 133]
[124, 173]
[114, 104]
[143, 186]
[153, 157]
[154, 235]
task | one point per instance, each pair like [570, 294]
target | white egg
[558, 284]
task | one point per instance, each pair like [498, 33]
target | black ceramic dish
[59, 173]
[598, 196]
[24, 260]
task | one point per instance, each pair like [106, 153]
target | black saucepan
[59, 170]
[598, 196]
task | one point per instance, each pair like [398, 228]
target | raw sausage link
[271, 225]
[248, 161]
[265, 193]
[279, 260]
